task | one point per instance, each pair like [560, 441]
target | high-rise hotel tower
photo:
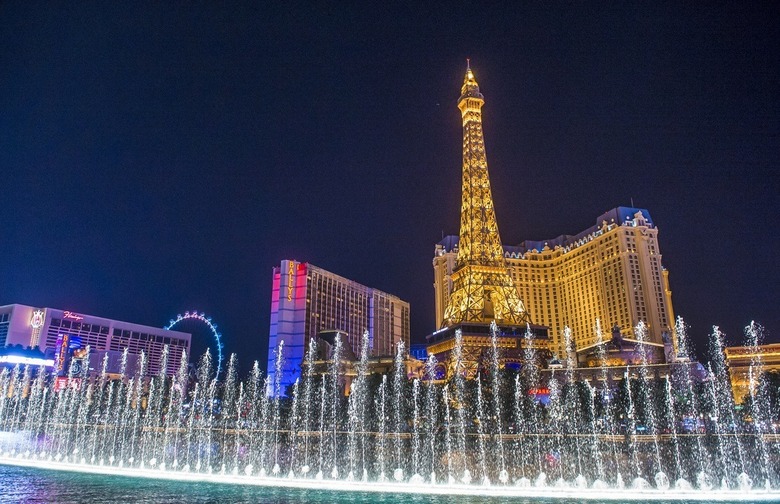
[611, 271]
[308, 302]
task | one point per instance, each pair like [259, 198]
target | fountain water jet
[234, 431]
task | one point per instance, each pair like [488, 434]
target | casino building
[309, 302]
[61, 333]
[611, 271]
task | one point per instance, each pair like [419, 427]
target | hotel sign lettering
[290, 280]
[71, 316]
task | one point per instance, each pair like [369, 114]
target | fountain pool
[642, 439]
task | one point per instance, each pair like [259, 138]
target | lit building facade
[611, 271]
[307, 301]
[56, 332]
[740, 360]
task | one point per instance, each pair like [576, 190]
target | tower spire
[483, 290]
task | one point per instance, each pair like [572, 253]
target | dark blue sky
[156, 158]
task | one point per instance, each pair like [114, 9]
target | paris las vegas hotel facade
[611, 271]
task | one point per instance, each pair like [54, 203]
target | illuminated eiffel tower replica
[482, 288]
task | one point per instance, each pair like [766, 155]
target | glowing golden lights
[483, 290]
[290, 281]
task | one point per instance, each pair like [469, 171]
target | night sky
[157, 158]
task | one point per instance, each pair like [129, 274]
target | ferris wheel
[194, 315]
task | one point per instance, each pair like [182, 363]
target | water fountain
[483, 431]
[398, 382]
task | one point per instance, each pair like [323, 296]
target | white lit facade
[45, 328]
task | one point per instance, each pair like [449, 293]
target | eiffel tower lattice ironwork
[482, 290]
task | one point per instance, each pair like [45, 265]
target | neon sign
[72, 316]
[37, 319]
[61, 352]
[290, 279]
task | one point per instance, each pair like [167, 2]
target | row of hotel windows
[584, 308]
[333, 286]
[585, 258]
[330, 312]
[588, 251]
[589, 255]
[3, 333]
[553, 275]
[87, 339]
[87, 329]
[79, 326]
[330, 296]
[152, 338]
[549, 255]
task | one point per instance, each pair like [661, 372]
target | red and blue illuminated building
[308, 301]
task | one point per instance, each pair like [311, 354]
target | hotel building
[742, 361]
[309, 302]
[56, 332]
[611, 271]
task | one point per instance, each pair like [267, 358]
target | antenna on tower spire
[468, 63]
